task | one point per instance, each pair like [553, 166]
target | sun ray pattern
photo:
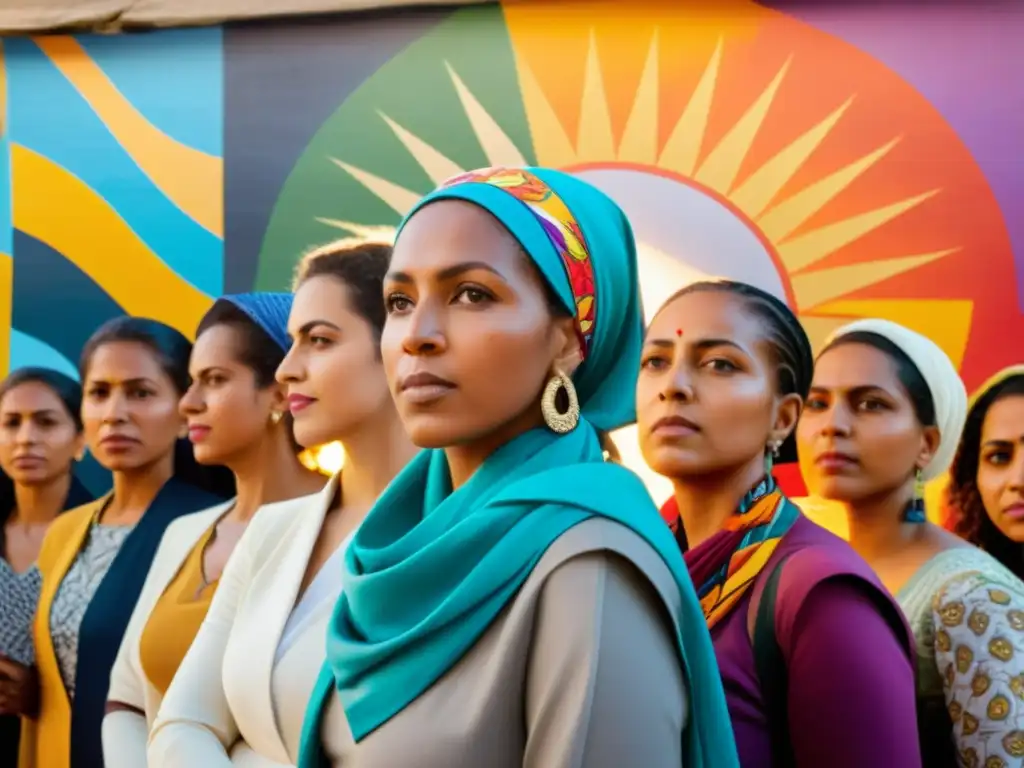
[497, 146]
[436, 165]
[683, 147]
[819, 243]
[399, 198]
[782, 220]
[640, 138]
[386, 234]
[718, 171]
[815, 288]
[595, 139]
[761, 187]
[762, 196]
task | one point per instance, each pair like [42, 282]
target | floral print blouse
[967, 613]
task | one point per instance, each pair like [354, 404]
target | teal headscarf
[430, 568]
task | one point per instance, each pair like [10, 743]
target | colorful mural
[851, 159]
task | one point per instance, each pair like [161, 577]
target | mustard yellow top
[176, 618]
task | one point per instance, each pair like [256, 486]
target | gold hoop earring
[559, 422]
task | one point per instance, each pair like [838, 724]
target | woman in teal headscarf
[513, 599]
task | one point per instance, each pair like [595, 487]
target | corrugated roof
[34, 16]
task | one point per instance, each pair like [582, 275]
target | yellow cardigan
[46, 740]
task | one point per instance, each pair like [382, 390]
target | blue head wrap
[268, 310]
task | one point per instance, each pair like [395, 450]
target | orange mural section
[824, 153]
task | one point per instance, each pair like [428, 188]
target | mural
[854, 161]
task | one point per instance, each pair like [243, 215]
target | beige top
[235, 701]
[581, 670]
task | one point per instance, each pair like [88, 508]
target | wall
[858, 159]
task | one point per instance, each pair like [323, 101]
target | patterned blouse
[967, 613]
[75, 593]
[19, 593]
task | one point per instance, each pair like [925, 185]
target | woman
[884, 416]
[986, 488]
[236, 418]
[94, 559]
[40, 440]
[239, 696]
[724, 373]
[512, 599]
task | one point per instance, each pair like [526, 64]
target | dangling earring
[770, 454]
[557, 421]
[915, 510]
[275, 417]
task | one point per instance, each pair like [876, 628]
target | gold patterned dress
[967, 614]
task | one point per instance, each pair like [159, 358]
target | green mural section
[415, 89]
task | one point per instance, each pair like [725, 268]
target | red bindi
[679, 331]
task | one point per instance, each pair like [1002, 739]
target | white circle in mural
[678, 222]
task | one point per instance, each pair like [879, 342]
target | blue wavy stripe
[173, 77]
[27, 350]
[48, 116]
[54, 301]
[5, 195]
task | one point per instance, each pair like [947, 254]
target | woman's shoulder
[813, 554]
[988, 585]
[615, 543]
[967, 568]
[814, 559]
[67, 524]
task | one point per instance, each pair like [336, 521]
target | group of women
[483, 584]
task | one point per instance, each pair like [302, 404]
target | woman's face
[38, 437]
[705, 396]
[228, 415]
[469, 340]
[332, 375]
[129, 407]
[859, 437]
[1001, 465]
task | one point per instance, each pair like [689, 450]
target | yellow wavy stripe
[60, 210]
[193, 180]
[6, 310]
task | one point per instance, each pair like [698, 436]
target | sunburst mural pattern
[854, 163]
[741, 142]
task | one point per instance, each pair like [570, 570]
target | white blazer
[236, 699]
[124, 733]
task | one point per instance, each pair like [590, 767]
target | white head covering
[947, 388]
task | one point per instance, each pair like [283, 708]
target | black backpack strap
[772, 674]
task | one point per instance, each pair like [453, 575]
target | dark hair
[971, 520]
[790, 348]
[68, 391]
[258, 351]
[910, 377]
[64, 387]
[361, 266]
[172, 350]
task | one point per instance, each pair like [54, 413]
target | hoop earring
[559, 422]
[915, 512]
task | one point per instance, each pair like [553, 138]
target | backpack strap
[772, 674]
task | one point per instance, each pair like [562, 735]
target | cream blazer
[232, 702]
[124, 733]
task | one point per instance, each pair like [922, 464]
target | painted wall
[857, 159]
